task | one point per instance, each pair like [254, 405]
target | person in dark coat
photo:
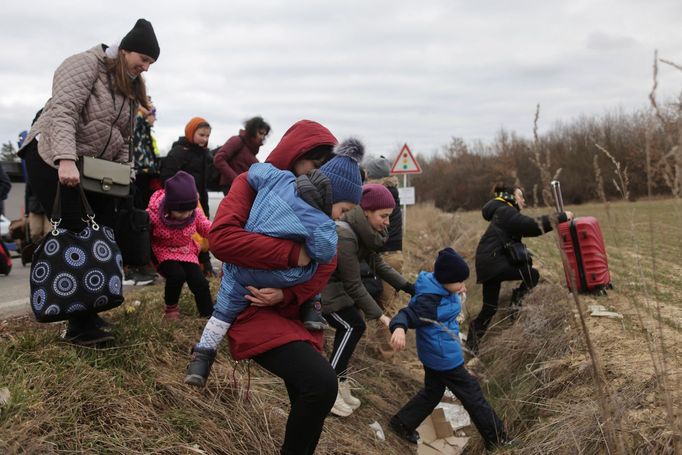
[5, 186]
[239, 152]
[493, 265]
[190, 154]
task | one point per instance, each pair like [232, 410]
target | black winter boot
[516, 301]
[401, 430]
[199, 366]
[311, 315]
[473, 338]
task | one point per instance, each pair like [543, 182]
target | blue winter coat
[279, 212]
[438, 345]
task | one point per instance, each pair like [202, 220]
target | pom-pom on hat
[376, 197]
[377, 168]
[343, 171]
[450, 267]
[192, 127]
[181, 192]
[141, 39]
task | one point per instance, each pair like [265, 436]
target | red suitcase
[583, 243]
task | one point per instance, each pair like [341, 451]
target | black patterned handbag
[75, 272]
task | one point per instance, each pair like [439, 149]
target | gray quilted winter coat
[84, 116]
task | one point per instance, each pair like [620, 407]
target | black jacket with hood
[506, 224]
[193, 159]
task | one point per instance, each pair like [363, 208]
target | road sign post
[405, 164]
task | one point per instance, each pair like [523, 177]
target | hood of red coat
[302, 137]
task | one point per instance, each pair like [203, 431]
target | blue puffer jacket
[438, 345]
[279, 212]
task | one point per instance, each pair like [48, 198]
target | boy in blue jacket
[433, 312]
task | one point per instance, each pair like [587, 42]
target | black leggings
[312, 388]
[491, 296]
[44, 180]
[176, 274]
[349, 326]
[467, 390]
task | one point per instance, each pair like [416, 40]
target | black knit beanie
[450, 267]
[141, 39]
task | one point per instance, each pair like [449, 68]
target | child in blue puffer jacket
[433, 312]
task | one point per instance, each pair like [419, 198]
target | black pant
[468, 392]
[491, 295]
[311, 385]
[349, 326]
[143, 192]
[176, 274]
[44, 180]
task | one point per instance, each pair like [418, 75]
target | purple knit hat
[181, 192]
[376, 197]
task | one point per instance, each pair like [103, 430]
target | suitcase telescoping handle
[558, 199]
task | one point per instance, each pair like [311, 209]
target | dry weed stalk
[610, 416]
[621, 174]
[672, 174]
[600, 180]
[543, 165]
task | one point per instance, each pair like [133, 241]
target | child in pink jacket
[174, 218]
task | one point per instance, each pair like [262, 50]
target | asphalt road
[14, 290]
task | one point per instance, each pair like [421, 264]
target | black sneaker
[135, 278]
[311, 315]
[101, 323]
[90, 337]
[401, 430]
[199, 366]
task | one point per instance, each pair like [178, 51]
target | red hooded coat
[260, 329]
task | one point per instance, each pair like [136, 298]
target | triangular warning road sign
[405, 163]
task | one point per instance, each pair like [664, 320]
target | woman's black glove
[409, 289]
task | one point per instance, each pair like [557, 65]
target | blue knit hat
[450, 267]
[343, 171]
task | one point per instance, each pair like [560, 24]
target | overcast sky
[388, 72]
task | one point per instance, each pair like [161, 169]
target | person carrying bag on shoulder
[502, 256]
[93, 95]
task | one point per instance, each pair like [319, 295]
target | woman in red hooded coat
[270, 331]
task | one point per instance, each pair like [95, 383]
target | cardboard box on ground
[437, 436]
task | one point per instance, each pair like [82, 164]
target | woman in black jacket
[493, 264]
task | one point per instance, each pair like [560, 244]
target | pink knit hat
[376, 197]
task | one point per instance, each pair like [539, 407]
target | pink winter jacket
[175, 244]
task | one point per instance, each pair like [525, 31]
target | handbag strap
[56, 215]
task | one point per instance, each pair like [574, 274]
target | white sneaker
[340, 407]
[350, 400]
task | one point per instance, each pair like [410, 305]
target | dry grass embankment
[130, 398]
